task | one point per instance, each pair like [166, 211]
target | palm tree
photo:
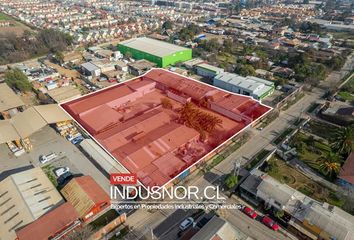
[343, 141]
[330, 165]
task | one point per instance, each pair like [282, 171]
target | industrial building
[159, 52]
[87, 197]
[15, 132]
[207, 70]
[25, 197]
[250, 86]
[130, 122]
[10, 103]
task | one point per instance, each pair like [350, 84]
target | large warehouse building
[159, 52]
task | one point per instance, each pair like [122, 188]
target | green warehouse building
[159, 52]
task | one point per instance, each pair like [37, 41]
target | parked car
[250, 212]
[60, 171]
[270, 223]
[70, 137]
[186, 223]
[77, 140]
[46, 158]
[64, 178]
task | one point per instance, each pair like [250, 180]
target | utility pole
[237, 165]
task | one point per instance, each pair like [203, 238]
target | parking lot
[47, 141]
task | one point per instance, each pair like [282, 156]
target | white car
[46, 158]
[60, 171]
[186, 223]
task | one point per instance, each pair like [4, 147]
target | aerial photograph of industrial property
[152, 128]
[177, 120]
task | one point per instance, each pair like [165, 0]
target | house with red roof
[346, 174]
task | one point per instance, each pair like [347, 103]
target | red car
[270, 223]
[250, 212]
[111, 80]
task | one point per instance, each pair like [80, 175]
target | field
[279, 170]
[16, 27]
[4, 17]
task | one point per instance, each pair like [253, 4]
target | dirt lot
[63, 71]
[16, 27]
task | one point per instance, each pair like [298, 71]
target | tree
[17, 79]
[166, 103]
[245, 69]
[231, 181]
[128, 54]
[59, 56]
[167, 25]
[330, 165]
[188, 33]
[212, 45]
[279, 214]
[335, 63]
[201, 121]
[343, 141]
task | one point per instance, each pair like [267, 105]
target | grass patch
[282, 136]
[219, 157]
[48, 170]
[259, 157]
[4, 17]
[347, 96]
[321, 129]
[305, 190]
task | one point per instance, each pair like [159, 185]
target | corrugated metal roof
[52, 113]
[152, 46]
[28, 122]
[109, 164]
[7, 132]
[25, 197]
[8, 99]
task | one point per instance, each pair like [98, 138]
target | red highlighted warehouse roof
[160, 124]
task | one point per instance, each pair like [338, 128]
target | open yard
[279, 170]
[317, 128]
[311, 151]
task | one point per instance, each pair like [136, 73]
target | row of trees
[187, 33]
[15, 48]
[342, 145]
[204, 122]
